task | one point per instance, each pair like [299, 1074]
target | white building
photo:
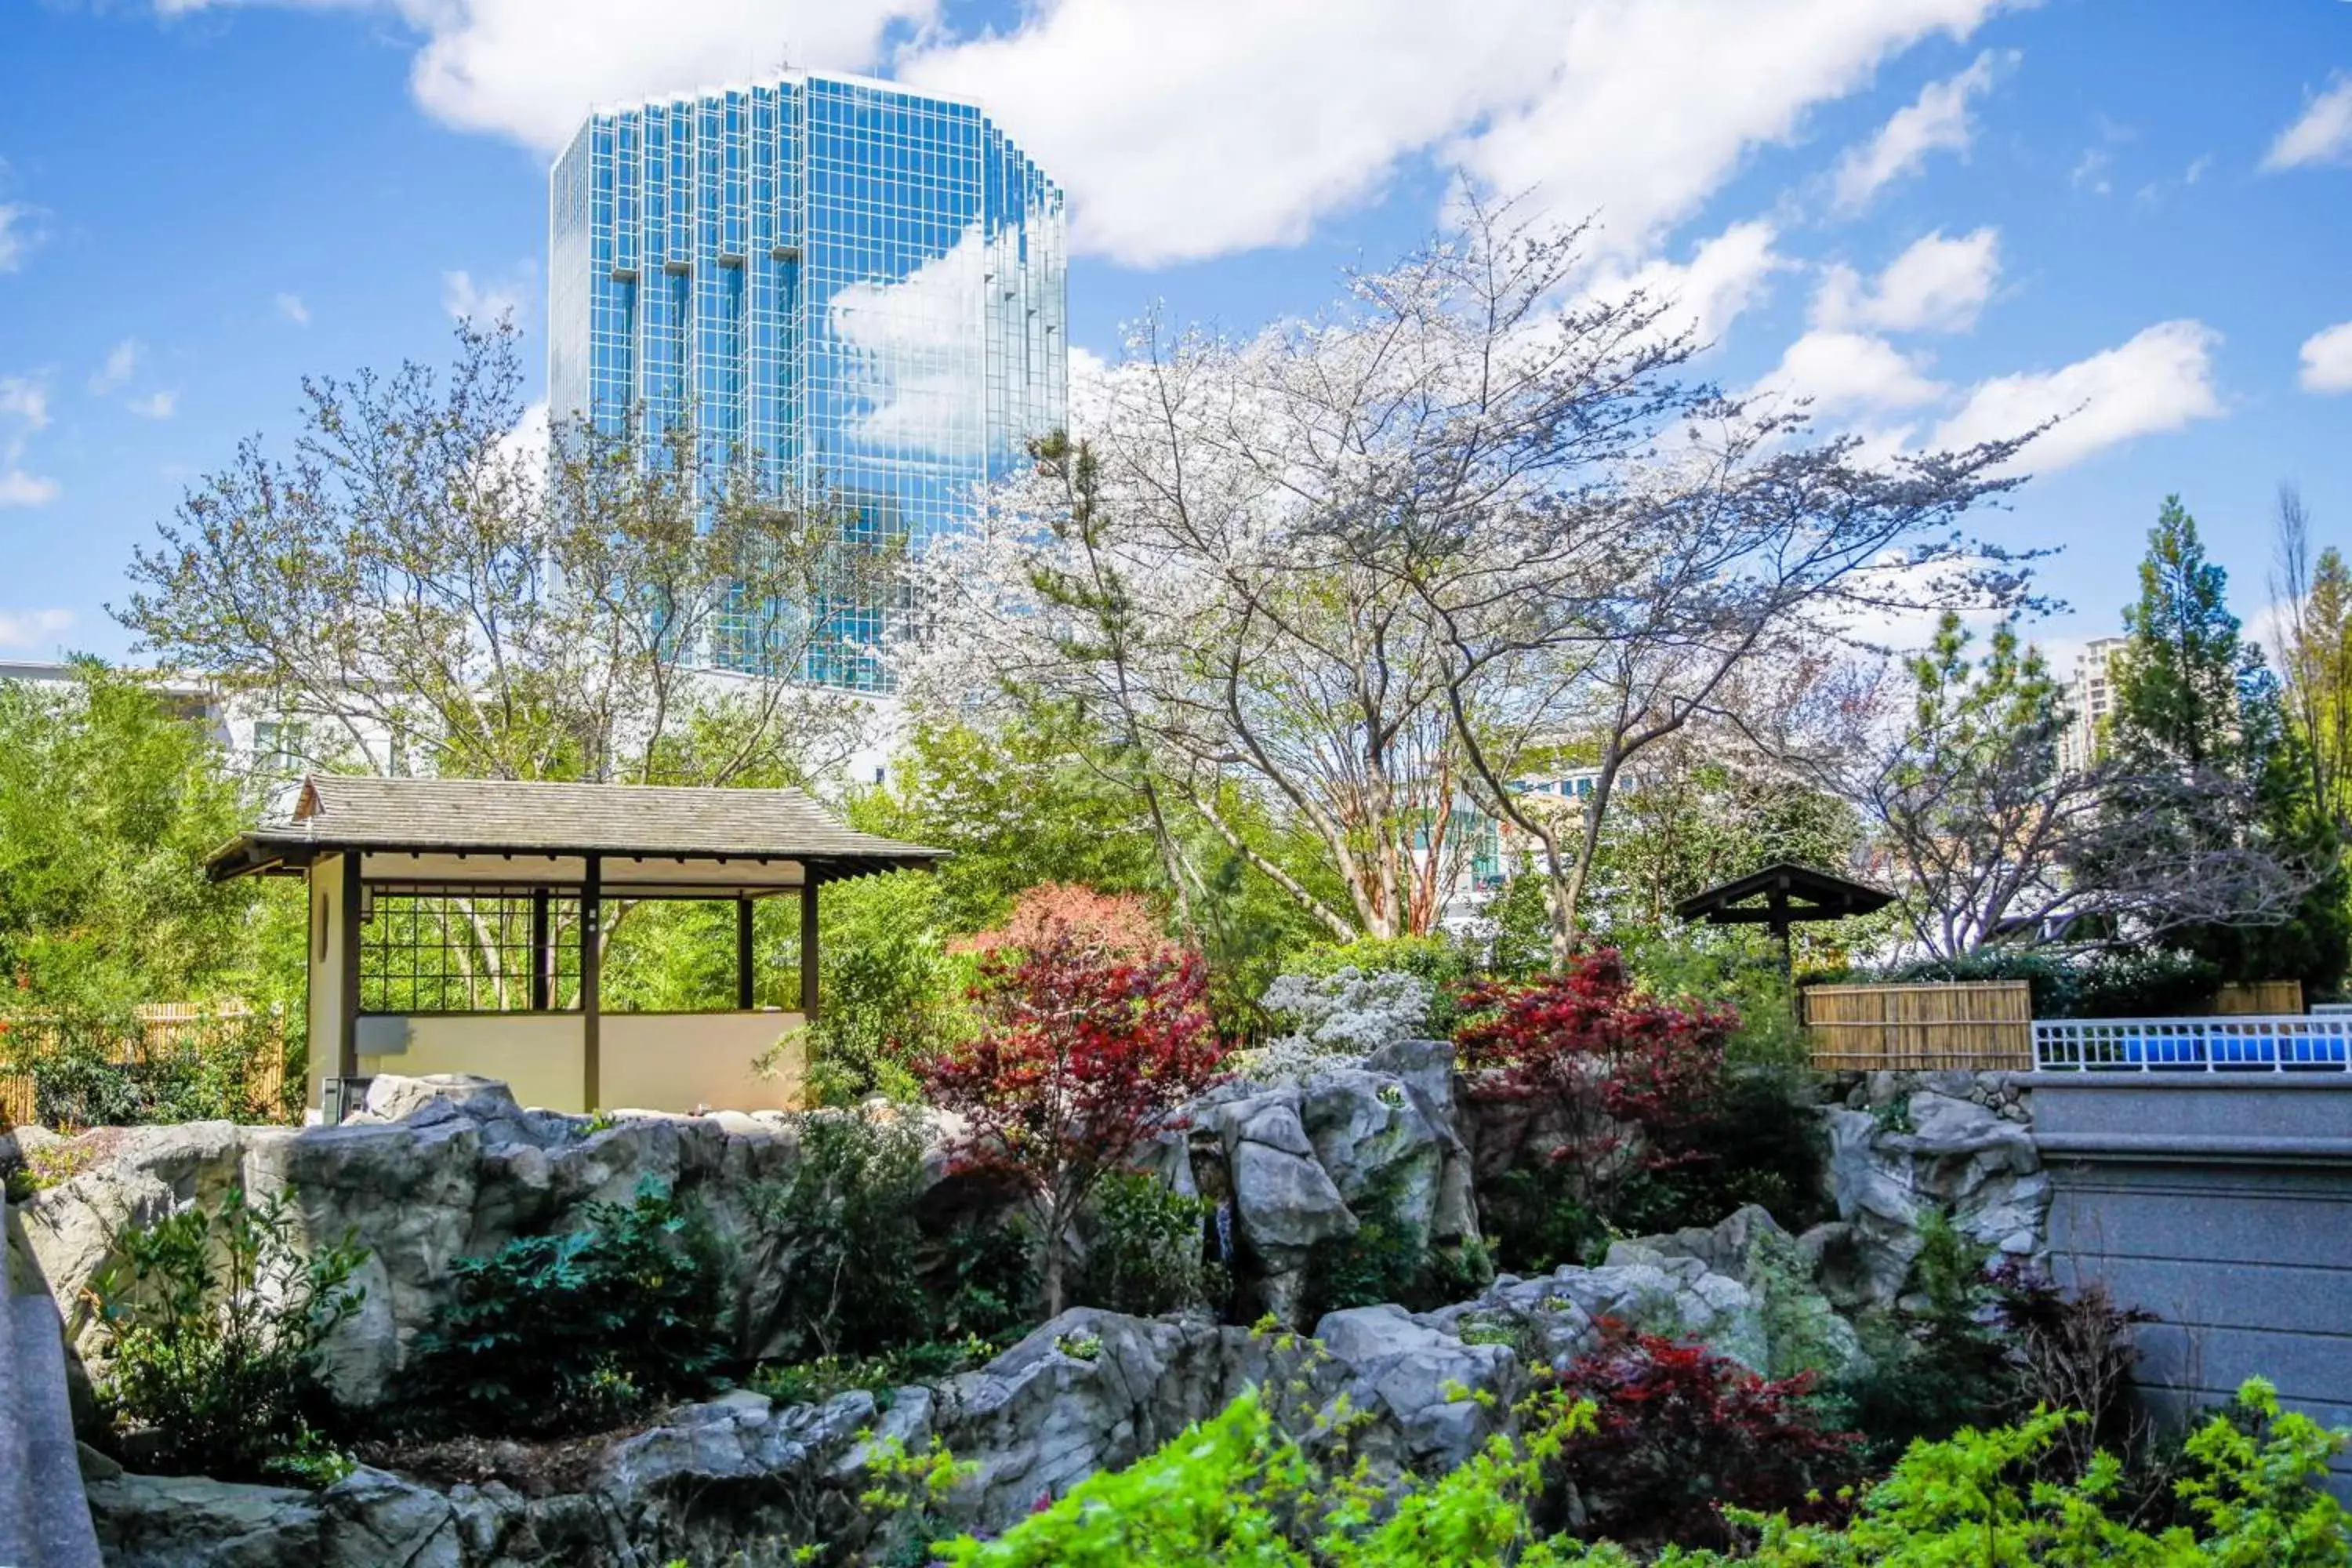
[2091, 696]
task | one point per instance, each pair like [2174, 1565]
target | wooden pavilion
[460, 925]
[1780, 896]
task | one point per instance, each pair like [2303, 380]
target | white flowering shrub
[1337, 1019]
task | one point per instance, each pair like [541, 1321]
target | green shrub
[2249, 1489]
[50, 1165]
[813, 1382]
[2074, 983]
[1944, 1370]
[982, 1279]
[1716, 967]
[841, 1245]
[892, 993]
[568, 1332]
[213, 1324]
[1535, 1217]
[1388, 1261]
[1763, 1147]
[1147, 1251]
[849, 1286]
[1238, 1490]
[81, 1079]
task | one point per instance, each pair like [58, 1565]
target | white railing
[2249, 1042]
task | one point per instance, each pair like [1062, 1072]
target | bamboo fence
[2267, 996]
[165, 1029]
[1969, 1026]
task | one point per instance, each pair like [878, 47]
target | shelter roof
[435, 824]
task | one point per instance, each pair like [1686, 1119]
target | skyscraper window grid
[854, 290]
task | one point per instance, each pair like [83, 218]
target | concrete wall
[649, 1061]
[2224, 1204]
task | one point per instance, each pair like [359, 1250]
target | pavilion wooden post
[742, 955]
[347, 956]
[808, 944]
[592, 964]
[542, 953]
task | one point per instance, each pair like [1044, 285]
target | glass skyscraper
[853, 288]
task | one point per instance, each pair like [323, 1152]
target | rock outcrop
[1953, 1143]
[1089, 1390]
[440, 1168]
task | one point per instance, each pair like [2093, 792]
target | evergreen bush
[213, 1324]
[570, 1333]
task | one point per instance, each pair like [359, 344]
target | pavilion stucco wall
[536, 1055]
[678, 1062]
[326, 994]
[692, 1062]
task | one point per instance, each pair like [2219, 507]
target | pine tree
[2195, 702]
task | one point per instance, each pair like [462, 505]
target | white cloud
[1090, 376]
[1704, 295]
[524, 448]
[2160, 380]
[486, 302]
[913, 343]
[155, 405]
[1186, 129]
[1652, 104]
[18, 234]
[2323, 133]
[29, 629]
[1937, 121]
[23, 409]
[19, 488]
[1939, 285]
[25, 400]
[2328, 359]
[526, 69]
[1852, 374]
[291, 306]
[122, 364]
[2090, 172]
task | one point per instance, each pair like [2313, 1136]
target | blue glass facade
[854, 288]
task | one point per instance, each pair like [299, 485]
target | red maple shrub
[1680, 1432]
[1624, 1085]
[1086, 1050]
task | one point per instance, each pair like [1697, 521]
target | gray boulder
[1423, 1380]
[1949, 1150]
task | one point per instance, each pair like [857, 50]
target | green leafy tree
[1022, 800]
[2315, 647]
[420, 587]
[1983, 826]
[2212, 769]
[1699, 818]
[110, 801]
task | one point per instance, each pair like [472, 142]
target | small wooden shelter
[1782, 896]
[458, 925]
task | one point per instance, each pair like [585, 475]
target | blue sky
[1937, 218]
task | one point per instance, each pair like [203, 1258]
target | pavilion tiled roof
[337, 812]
